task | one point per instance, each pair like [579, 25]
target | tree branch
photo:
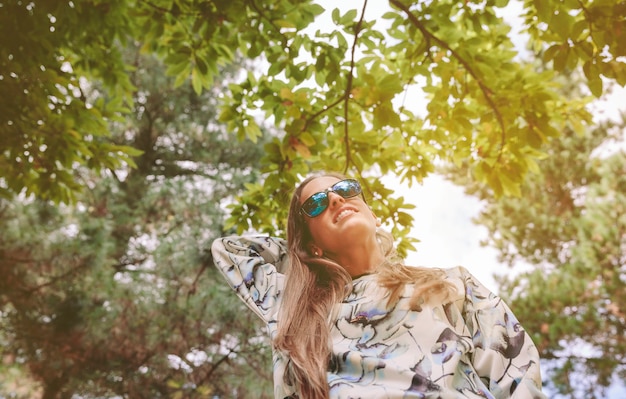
[56, 278]
[357, 30]
[164, 10]
[194, 283]
[215, 365]
[485, 90]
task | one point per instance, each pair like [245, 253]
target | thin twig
[194, 284]
[326, 108]
[56, 278]
[162, 10]
[357, 30]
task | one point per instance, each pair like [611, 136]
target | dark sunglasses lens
[315, 205]
[347, 188]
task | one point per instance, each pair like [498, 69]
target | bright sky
[448, 238]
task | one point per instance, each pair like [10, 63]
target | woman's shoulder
[473, 290]
[457, 272]
[463, 275]
[466, 283]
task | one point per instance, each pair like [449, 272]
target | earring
[316, 253]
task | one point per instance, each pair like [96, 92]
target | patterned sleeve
[504, 357]
[250, 265]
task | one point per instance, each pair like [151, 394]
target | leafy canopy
[335, 95]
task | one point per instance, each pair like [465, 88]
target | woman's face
[344, 222]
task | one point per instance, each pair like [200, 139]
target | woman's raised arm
[252, 265]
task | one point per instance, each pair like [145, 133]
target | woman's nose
[335, 199]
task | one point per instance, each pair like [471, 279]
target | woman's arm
[504, 354]
[251, 265]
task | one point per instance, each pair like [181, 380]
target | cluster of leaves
[587, 33]
[570, 226]
[337, 104]
[335, 94]
[116, 295]
[52, 126]
[47, 123]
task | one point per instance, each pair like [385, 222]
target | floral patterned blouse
[472, 347]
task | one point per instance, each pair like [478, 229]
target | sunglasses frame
[325, 197]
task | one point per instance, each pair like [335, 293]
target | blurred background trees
[116, 294]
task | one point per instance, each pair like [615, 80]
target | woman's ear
[315, 250]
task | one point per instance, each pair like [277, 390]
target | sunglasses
[318, 202]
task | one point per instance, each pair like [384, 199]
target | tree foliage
[335, 95]
[48, 123]
[570, 227]
[115, 295]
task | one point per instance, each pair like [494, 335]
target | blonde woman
[348, 319]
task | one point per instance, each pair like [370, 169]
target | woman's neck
[360, 260]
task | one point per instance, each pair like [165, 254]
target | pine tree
[117, 295]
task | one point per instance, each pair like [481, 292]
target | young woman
[348, 319]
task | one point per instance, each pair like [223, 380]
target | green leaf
[545, 11]
[595, 86]
[561, 23]
[551, 52]
[348, 17]
[384, 115]
[182, 77]
[532, 165]
[307, 139]
[619, 71]
[281, 23]
[196, 81]
[201, 65]
[560, 58]
[336, 16]
[252, 130]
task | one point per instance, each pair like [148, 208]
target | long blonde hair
[314, 285]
